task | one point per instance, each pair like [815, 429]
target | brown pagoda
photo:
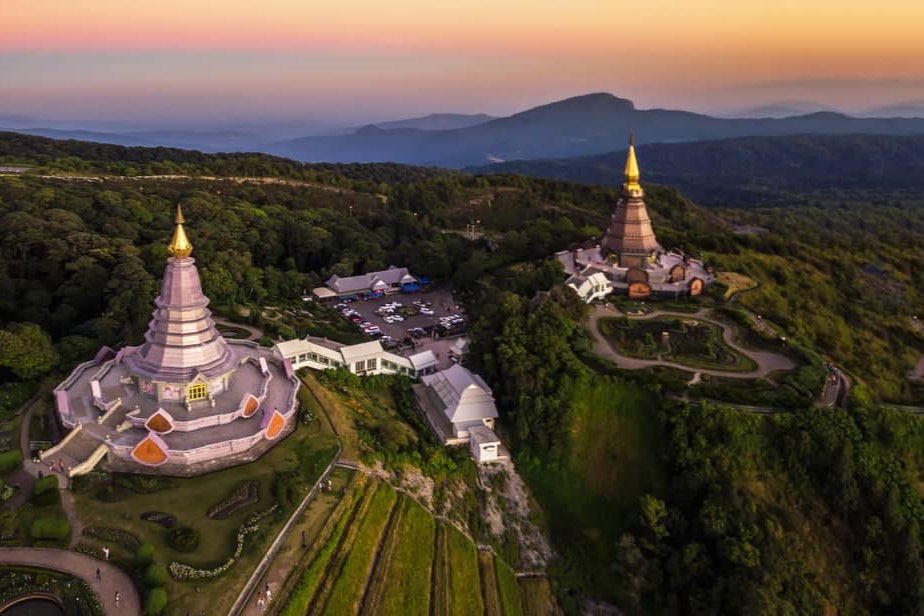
[630, 242]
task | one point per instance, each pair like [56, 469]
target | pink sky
[295, 58]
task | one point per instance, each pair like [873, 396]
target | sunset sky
[217, 61]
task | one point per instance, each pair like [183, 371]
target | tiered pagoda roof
[182, 341]
[630, 228]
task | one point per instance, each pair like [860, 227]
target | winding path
[112, 579]
[252, 332]
[766, 362]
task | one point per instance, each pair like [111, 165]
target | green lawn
[610, 462]
[306, 452]
[407, 579]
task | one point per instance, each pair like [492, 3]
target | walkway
[766, 362]
[83, 567]
[252, 332]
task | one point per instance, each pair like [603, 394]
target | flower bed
[114, 535]
[244, 494]
[159, 517]
[182, 572]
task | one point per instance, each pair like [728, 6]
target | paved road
[918, 372]
[84, 567]
[766, 362]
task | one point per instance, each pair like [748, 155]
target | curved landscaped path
[112, 578]
[252, 332]
[766, 362]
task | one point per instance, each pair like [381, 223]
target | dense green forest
[653, 505]
[752, 171]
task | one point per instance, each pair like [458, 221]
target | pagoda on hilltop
[186, 401]
[629, 258]
[630, 241]
[184, 357]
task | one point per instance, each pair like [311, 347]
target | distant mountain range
[589, 124]
[750, 170]
[579, 126]
[434, 121]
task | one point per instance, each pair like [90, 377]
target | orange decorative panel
[251, 406]
[639, 290]
[158, 422]
[276, 424]
[149, 452]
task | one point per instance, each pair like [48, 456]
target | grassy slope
[611, 462]
[489, 591]
[322, 552]
[348, 589]
[510, 598]
[463, 574]
[407, 580]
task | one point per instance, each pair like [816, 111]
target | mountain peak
[596, 102]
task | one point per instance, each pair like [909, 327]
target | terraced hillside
[383, 553]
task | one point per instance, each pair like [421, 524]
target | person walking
[118, 598]
[106, 552]
[98, 576]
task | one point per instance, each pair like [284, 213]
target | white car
[426, 311]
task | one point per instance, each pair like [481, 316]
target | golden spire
[180, 247]
[632, 173]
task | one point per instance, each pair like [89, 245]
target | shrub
[113, 535]
[46, 498]
[50, 528]
[45, 484]
[9, 523]
[156, 602]
[10, 461]
[183, 539]
[155, 575]
[244, 494]
[144, 556]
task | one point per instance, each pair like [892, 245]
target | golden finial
[632, 173]
[180, 247]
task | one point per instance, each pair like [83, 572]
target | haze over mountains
[578, 126]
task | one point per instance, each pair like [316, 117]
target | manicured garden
[689, 342]
[76, 597]
[222, 524]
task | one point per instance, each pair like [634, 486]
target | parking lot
[405, 318]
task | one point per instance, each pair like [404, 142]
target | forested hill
[55, 155]
[750, 170]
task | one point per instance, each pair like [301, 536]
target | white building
[484, 444]
[366, 358]
[590, 286]
[464, 400]
[385, 281]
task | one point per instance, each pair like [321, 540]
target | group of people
[264, 597]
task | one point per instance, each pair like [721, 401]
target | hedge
[10, 461]
[50, 528]
[156, 602]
